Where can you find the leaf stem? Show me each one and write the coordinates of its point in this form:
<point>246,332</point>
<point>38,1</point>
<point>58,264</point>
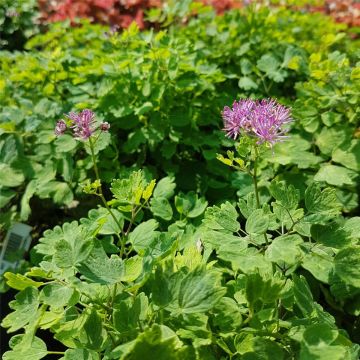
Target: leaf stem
<point>254,177</point>
<point>101,195</point>
<point>256,189</point>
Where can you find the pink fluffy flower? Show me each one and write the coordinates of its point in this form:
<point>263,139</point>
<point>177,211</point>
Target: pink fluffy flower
<point>83,123</point>
<point>265,120</point>
<point>237,117</point>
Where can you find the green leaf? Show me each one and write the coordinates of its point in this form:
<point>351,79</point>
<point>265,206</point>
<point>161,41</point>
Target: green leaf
<point>56,295</point>
<point>222,218</point>
<point>198,209</point>
<point>305,302</point>
<point>352,226</point>
<point>336,175</point>
<point>319,343</point>
<point>190,205</point>
<point>100,269</point>
<point>199,291</point>
<point>287,196</point>
<point>227,316</point>
<point>257,222</point>
<point>161,207</point>
<point>129,190</point>
<point>262,288</point>
<point>195,330</point>
<point>303,296</point>
<point>28,194</point>
<point>250,260</point>
<point>322,202</point>
<point>165,188</point>
<point>20,282</point>
<point>25,308</point>
<point>128,313</point>
<point>68,254</point>
<point>101,220</point>
<point>287,218</point>
<point>319,263</point>
<point>297,151</point>
<point>143,235</point>
<point>67,167</point>
<point>248,204</point>
<point>348,155</point>
<point>261,349</point>
<point>65,143</point>
<point>329,139</point>
<point>229,247</point>
<point>133,268</point>
<point>271,67</point>
<point>5,196</point>
<point>102,142</point>
<point>165,286</point>
<point>285,249</point>
<point>62,193</point>
<point>80,354</point>
<point>69,245</point>
<point>29,350</point>
<point>159,341</point>
<point>92,334</point>
<point>146,195</point>
<point>332,235</point>
<point>10,177</point>
<point>247,83</point>
<point>144,108</point>
<point>346,266</point>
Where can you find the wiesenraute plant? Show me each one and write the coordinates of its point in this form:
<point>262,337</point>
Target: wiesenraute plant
<point>232,286</point>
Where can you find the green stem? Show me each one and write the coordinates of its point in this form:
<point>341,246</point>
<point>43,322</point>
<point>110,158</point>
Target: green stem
<point>256,189</point>
<point>112,299</point>
<point>254,176</point>
<point>101,195</point>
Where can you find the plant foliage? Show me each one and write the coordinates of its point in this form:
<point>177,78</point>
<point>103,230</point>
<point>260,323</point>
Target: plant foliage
<point>182,291</point>
<point>235,251</point>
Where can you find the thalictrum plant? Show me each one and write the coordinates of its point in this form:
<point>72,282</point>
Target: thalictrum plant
<point>232,285</point>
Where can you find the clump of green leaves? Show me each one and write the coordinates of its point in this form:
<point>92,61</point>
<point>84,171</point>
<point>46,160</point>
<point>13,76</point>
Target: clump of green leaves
<point>162,93</point>
<point>155,269</point>
<point>214,290</point>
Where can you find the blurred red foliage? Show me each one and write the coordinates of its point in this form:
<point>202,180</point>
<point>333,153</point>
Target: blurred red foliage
<point>112,12</point>
<point>345,11</point>
<point>222,5</point>
<point>122,12</point>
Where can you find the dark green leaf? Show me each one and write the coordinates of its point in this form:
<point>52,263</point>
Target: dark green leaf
<point>199,291</point>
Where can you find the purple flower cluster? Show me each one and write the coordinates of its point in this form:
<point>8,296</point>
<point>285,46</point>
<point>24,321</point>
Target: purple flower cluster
<point>82,124</point>
<point>264,119</point>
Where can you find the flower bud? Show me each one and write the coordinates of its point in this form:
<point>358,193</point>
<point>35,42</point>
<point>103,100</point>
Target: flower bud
<point>60,128</point>
<point>105,126</point>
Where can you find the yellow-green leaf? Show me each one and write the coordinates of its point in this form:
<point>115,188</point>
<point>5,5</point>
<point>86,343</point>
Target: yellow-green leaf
<point>20,282</point>
<point>149,190</point>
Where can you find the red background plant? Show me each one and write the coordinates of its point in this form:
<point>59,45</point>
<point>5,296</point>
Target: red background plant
<point>123,12</point>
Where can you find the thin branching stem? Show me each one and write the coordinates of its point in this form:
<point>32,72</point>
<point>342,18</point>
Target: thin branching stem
<point>100,193</point>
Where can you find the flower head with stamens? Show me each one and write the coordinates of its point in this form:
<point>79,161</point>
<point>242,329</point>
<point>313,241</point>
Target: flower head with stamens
<point>264,120</point>
<point>267,121</point>
<point>83,123</point>
<point>236,118</point>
